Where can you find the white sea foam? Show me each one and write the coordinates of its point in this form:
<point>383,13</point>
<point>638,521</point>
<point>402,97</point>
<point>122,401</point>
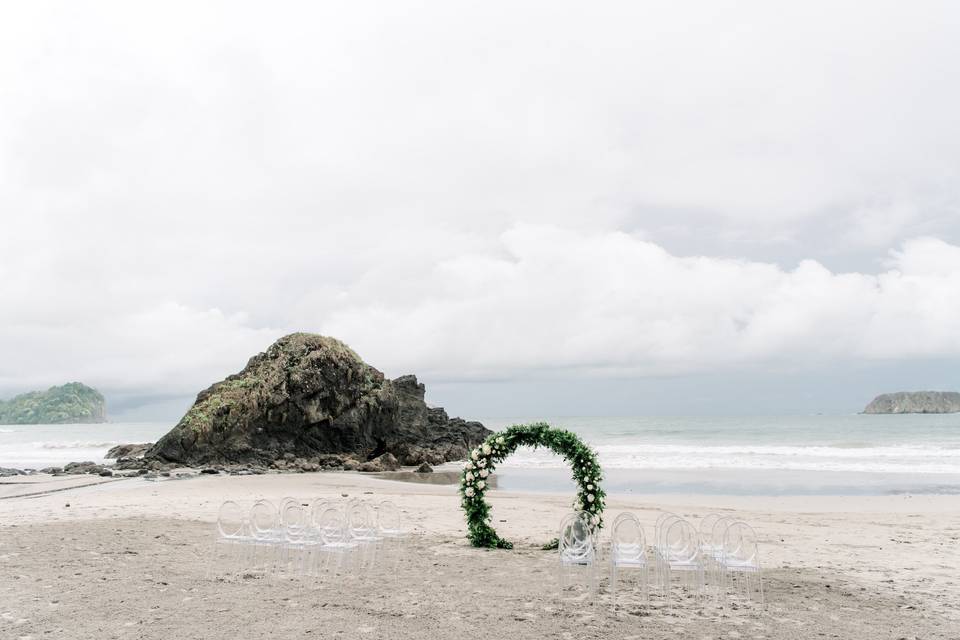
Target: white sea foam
<point>913,459</point>
<point>75,445</point>
<point>38,446</point>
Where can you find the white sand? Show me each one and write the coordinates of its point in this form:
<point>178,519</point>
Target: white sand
<point>125,560</point>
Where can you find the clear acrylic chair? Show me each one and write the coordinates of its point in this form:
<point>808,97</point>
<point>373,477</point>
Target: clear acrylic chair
<point>266,534</point>
<point>389,526</point>
<point>664,520</point>
<point>628,550</point>
<point>681,555</point>
<point>337,551</point>
<point>664,515</point>
<point>296,538</point>
<point>739,562</point>
<point>363,529</point>
<point>317,506</point>
<point>232,534</point>
<point>660,527</point>
<point>712,548</point>
<point>621,516</point>
<point>705,529</point>
<point>576,547</point>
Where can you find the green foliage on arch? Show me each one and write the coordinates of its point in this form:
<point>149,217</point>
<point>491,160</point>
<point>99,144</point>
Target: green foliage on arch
<point>483,459</point>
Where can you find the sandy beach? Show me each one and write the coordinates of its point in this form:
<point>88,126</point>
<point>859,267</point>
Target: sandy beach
<point>84,557</point>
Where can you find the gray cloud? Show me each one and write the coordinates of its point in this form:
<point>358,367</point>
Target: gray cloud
<point>476,192</point>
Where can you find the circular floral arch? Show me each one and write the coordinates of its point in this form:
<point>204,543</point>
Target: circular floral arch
<point>483,459</point>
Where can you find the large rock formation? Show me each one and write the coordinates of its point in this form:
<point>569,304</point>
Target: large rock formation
<point>309,395</point>
<point>70,403</point>
<point>915,402</point>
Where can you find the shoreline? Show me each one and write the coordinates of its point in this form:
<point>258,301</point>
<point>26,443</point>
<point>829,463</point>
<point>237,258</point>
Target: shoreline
<point>24,500</point>
<point>509,480</point>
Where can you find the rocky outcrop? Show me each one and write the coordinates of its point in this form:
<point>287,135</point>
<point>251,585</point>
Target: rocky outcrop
<point>385,462</point>
<point>128,451</point>
<point>308,396</point>
<point>79,468</point>
<point>70,403</point>
<point>915,402</point>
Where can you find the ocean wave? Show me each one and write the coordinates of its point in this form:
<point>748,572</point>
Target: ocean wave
<point>926,451</point>
<point>913,459</point>
<point>74,445</point>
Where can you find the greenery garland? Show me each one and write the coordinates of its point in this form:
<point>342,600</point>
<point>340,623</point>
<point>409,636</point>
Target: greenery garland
<point>483,459</point>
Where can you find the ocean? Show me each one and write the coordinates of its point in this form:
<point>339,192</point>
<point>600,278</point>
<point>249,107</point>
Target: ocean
<point>775,455</point>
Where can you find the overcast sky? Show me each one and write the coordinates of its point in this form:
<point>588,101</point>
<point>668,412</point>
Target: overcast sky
<point>541,208</point>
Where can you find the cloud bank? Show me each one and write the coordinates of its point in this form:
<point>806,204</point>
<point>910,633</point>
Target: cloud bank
<point>541,300</point>
<point>474,193</point>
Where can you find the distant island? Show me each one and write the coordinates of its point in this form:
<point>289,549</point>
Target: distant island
<point>915,402</point>
<point>70,403</point>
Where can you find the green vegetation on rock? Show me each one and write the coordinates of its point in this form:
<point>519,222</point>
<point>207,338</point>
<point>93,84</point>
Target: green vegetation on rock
<point>73,402</point>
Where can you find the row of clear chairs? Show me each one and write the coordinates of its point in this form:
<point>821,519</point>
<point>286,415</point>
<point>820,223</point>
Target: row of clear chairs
<point>308,539</point>
<point>732,554</point>
<point>677,553</point>
<point>721,553</point>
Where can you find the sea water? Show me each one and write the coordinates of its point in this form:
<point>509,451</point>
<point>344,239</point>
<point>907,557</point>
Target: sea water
<point>839,454</point>
<point>36,446</point>
<point>763,455</point>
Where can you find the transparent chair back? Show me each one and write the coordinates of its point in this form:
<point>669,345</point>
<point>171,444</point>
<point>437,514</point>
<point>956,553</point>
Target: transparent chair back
<point>232,537</point>
<point>660,518</point>
<point>230,521</point>
<point>576,537</point>
<point>664,525</point>
<point>681,542</point>
<point>740,556</point>
<point>628,550</point>
<point>332,527</point>
<point>389,522</point>
<point>740,544</point>
<point>575,544</point>
<point>622,515</point>
<point>264,521</point>
<point>292,516</point>
<point>360,520</point>
<point>628,544</point>
<point>705,529</point>
<point>681,554</point>
<point>395,538</point>
<point>294,521</point>
<point>717,533</point>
